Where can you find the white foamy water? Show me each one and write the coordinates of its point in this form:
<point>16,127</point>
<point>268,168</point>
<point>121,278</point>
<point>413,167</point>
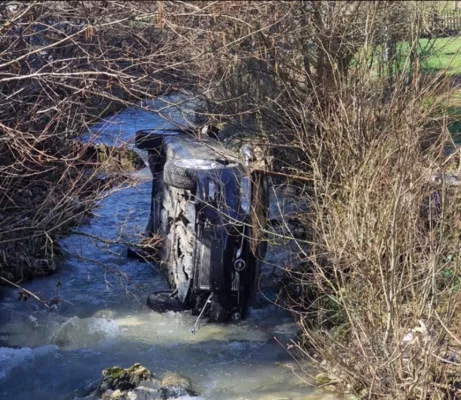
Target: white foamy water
<point>11,358</point>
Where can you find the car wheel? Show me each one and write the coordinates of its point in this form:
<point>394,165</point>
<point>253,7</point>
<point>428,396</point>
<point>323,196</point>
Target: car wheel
<point>163,302</point>
<point>183,173</point>
<point>218,313</point>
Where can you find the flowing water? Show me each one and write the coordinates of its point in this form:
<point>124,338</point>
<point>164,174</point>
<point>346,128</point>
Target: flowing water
<point>98,318</point>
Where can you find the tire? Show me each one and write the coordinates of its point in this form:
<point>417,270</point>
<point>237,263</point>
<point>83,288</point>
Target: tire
<point>161,302</point>
<point>183,173</point>
<point>218,313</point>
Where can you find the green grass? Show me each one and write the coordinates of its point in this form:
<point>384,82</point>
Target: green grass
<point>437,55</point>
<point>441,55</point>
<point>444,55</point>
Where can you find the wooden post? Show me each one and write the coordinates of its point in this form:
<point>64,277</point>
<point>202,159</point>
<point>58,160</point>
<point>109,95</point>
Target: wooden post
<point>435,21</point>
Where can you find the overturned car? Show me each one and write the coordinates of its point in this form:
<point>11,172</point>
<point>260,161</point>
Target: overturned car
<point>209,207</point>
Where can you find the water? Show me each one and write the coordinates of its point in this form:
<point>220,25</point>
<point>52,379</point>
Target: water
<point>100,319</point>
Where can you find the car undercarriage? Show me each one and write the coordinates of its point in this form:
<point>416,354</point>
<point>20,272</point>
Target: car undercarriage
<point>205,202</point>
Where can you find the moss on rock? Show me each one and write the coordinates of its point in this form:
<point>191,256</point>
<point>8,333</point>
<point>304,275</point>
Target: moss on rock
<point>114,372</point>
<point>124,379</point>
<point>137,382</point>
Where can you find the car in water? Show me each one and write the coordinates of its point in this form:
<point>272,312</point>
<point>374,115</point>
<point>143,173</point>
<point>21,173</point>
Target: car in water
<point>209,207</point>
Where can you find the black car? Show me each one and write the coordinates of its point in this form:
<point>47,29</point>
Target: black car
<point>210,209</point>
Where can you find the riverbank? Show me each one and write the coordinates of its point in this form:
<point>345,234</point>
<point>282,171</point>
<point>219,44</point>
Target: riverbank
<point>69,69</point>
<point>51,197</point>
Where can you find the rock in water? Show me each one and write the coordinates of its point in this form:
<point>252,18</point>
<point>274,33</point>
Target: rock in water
<point>138,383</point>
<point>117,378</point>
<point>176,385</point>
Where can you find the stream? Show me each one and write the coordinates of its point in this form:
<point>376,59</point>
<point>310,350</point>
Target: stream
<point>98,316</point>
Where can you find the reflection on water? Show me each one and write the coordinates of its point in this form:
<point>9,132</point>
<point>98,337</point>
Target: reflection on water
<point>99,318</point>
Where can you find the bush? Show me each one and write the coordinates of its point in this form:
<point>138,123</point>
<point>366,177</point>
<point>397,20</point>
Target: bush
<point>62,66</point>
<point>323,82</point>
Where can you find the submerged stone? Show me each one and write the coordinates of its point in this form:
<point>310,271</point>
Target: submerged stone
<point>175,385</point>
<point>173,379</point>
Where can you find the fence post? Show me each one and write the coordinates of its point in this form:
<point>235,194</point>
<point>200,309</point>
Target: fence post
<point>435,21</point>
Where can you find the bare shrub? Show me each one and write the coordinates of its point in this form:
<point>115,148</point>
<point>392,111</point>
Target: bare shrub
<point>381,276</point>
<point>337,89</point>
<point>62,66</point>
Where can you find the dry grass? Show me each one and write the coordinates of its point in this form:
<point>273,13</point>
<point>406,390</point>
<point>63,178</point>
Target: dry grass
<point>385,251</point>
